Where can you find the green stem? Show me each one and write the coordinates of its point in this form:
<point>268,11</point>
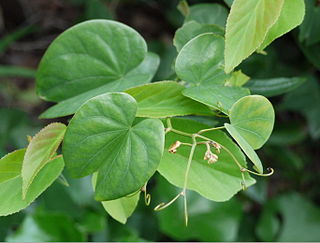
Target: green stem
<point>210,129</point>
<point>184,191</point>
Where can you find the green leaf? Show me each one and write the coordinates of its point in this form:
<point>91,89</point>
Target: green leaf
<point>10,165</point>
<point>247,26</point>
<point>140,75</point>
<point>291,16</point>
<point>237,79</point>
<point>312,53</point>
<point>16,71</point>
<point>224,217</point>
<point>191,29</point>
<point>164,99</point>
<point>253,118</point>
<point>106,141</point>
<point>274,86</point>
<point>245,146</point>
<point>217,182</point>
<point>11,190</point>
<point>216,96</point>
<point>228,2</point>
<point>201,60</point>
<point>122,208</point>
<point>87,56</point>
<point>208,13</point>
<point>39,152</point>
<point>309,29</point>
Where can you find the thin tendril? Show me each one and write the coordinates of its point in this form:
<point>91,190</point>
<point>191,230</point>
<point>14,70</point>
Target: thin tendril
<point>258,174</point>
<point>162,205</point>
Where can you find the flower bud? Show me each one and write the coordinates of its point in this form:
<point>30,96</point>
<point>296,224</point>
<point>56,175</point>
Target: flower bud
<point>173,148</point>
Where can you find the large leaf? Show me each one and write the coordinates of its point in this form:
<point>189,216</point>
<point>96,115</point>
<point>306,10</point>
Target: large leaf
<point>274,86</point>
<point>140,75</point>
<point>10,165</point>
<point>224,217</point>
<point>208,13</point>
<point>217,182</point>
<point>291,16</point>
<point>247,26</point>
<point>39,152</point>
<point>11,190</point>
<point>253,117</point>
<point>216,96</point>
<point>191,29</point>
<point>101,137</point>
<point>164,99</point>
<point>245,146</point>
<point>88,56</point>
<point>201,60</point>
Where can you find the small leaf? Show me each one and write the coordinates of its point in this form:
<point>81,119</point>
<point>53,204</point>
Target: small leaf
<point>246,148</point>
<point>217,182</point>
<point>106,141</point>
<point>200,61</point>
<point>208,13</point>
<point>11,190</point>
<point>122,208</point>
<point>164,99</point>
<point>247,26</point>
<point>140,75</point>
<point>192,29</point>
<point>253,118</point>
<point>216,96</point>
<point>275,86</point>
<point>291,16</point>
<point>39,152</point>
<point>237,79</point>
<point>183,7</point>
<point>10,165</point>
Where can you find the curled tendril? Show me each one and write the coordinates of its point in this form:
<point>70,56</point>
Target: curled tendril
<point>163,205</point>
<point>271,171</point>
<point>147,196</point>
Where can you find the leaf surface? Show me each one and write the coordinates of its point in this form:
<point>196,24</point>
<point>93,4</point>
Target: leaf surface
<point>253,117</point>
<point>140,75</point>
<point>217,182</point>
<point>39,152</point>
<point>106,141</point>
<point>10,165</point>
<point>247,26</point>
<point>192,29</point>
<point>200,61</point>
<point>164,99</point>
<point>216,96</point>
<point>11,190</point>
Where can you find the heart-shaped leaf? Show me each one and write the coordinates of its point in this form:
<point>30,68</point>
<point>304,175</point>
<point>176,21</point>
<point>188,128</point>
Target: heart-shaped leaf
<point>253,118</point>
<point>11,189</point>
<point>140,75</point>
<point>164,99</point>
<point>247,26</point>
<point>216,96</point>
<point>39,152</point>
<point>101,137</point>
<point>200,61</point>
<point>87,56</point>
<point>192,29</point>
<point>217,182</point>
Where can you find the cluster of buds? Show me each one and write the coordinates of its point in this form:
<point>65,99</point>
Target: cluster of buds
<point>173,148</point>
<point>211,157</point>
